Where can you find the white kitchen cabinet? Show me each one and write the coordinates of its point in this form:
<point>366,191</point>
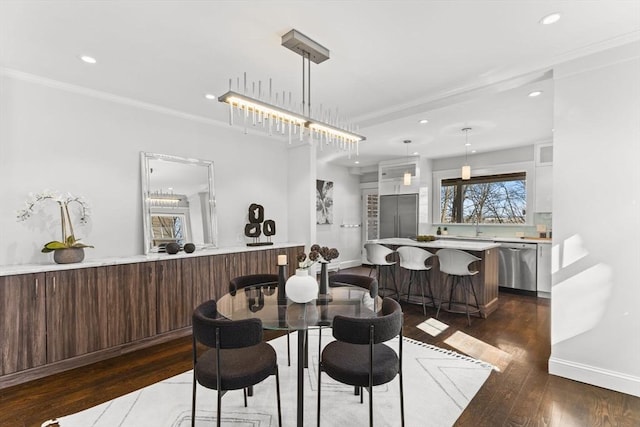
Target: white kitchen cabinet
<point>544,189</point>
<point>544,270</point>
<point>391,176</point>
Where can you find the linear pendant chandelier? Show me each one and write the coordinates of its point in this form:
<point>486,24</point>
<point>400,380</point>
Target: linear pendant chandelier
<point>276,115</point>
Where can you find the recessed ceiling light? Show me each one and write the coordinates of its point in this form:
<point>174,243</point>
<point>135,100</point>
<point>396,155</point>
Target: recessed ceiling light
<point>210,96</point>
<point>473,151</point>
<point>415,153</point>
<point>550,19</point>
<point>535,93</point>
<point>88,59</point>
<point>357,162</point>
<point>467,144</point>
<point>423,121</point>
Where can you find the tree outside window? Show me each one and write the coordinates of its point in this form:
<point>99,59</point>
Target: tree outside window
<point>492,199</point>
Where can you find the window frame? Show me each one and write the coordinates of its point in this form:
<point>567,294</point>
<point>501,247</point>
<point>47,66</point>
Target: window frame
<point>521,167</point>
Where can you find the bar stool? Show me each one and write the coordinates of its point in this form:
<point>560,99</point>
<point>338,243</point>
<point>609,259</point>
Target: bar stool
<point>377,257</point>
<point>455,263</point>
<point>413,259</point>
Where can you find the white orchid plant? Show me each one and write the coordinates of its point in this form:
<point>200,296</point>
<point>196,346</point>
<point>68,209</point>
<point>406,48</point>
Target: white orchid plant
<point>64,200</point>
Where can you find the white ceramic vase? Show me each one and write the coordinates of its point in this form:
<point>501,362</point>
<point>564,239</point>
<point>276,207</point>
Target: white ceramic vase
<point>301,287</point>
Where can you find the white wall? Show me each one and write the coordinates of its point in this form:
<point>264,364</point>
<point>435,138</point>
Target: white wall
<point>347,209</point>
<point>596,235</point>
<point>301,187</point>
<point>53,136</point>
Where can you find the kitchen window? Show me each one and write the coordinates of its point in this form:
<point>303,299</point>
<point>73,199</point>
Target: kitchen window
<point>488,199</point>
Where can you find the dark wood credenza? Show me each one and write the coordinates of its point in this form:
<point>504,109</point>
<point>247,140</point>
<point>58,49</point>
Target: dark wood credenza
<point>52,321</point>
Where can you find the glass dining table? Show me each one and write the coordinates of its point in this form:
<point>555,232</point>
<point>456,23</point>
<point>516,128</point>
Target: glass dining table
<point>279,313</point>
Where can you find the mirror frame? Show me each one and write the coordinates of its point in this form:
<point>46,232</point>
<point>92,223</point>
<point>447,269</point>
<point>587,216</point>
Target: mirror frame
<point>145,158</point>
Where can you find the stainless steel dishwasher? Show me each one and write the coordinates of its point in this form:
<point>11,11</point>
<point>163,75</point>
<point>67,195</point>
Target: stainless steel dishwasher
<point>518,266</point>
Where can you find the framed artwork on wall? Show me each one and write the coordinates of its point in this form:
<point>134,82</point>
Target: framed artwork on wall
<point>324,202</point>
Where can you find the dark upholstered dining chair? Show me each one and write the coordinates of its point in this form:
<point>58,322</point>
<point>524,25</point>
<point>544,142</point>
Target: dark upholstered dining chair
<point>359,357</point>
<point>366,282</point>
<point>236,358</point>
<point>255,280</point>
<point>249,280</point>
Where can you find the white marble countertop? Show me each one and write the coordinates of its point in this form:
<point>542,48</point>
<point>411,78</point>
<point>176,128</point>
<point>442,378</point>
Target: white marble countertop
<point>498,239</point>
<point>465,245</point>
<point>10,270</point>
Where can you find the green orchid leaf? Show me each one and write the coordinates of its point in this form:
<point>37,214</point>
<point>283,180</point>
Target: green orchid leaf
<point>53,245</point>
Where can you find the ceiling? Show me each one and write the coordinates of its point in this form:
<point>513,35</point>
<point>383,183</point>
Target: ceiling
<point>456,63</point>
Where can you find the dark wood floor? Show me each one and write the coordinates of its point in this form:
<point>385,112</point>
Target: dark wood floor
<point>523,394</point>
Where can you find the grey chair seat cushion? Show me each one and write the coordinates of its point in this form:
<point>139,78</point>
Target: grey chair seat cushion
<point>240,367</point>
<point>346,363</point>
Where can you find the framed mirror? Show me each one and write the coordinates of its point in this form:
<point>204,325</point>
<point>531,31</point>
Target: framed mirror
<point>178,202</point>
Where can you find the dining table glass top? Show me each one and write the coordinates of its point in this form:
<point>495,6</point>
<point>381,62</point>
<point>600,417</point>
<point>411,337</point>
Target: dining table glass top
<point>262,302</point>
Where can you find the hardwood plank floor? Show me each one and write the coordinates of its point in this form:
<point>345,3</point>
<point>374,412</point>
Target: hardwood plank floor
<point>523,394</point>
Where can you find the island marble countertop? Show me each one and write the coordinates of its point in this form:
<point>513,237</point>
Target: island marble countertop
<point>498,239</point>
<point>465,245</point>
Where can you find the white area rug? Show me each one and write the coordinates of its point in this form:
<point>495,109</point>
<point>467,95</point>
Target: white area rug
<point>438,385</point>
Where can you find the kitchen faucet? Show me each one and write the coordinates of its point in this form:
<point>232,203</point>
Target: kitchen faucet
<point>477,225</point>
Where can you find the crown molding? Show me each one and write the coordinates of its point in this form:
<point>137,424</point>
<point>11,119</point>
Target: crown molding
<point>106,96</point>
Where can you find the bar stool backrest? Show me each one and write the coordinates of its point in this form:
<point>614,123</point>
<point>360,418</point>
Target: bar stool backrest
<point>456,262</point>
<point>377,253</point>
<point>413,258</point>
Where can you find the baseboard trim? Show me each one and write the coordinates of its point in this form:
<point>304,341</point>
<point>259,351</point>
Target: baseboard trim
<point>605,378</point>
<point>350,263</point>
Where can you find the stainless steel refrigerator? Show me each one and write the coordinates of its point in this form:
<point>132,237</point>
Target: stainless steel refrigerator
<point>398,215</point>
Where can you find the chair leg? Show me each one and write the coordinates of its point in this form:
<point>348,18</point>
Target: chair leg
<point>288,350</point>
<point>244,394</point>
<point>475,297</point>
<point>193,401</point>
<point>424,307</point>
<point>442,296</point>
<point>433,301</point>
<point>370,406</point>
<point>319,385</point>
<point>454,282</point>
<point>401,399</point>
<point>465,290</point>
<point>409,284</point>
<point>383,285</point>
<point>278,397</point>
<point>219,409</point>
<point>392,271</point>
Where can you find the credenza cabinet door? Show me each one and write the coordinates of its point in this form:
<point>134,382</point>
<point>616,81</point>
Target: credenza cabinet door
<point>76,313</point>
<point>174,297</point>
<point>131,296</point>
<point>220,274</point>
<point>22,322</point>
<point>197,275</point>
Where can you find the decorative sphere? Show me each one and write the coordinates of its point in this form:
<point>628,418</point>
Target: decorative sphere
<point>189,247</point>
<point>172,248</point>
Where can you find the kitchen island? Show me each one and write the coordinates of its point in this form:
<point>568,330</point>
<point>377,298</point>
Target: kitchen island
<point>485,282</point>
